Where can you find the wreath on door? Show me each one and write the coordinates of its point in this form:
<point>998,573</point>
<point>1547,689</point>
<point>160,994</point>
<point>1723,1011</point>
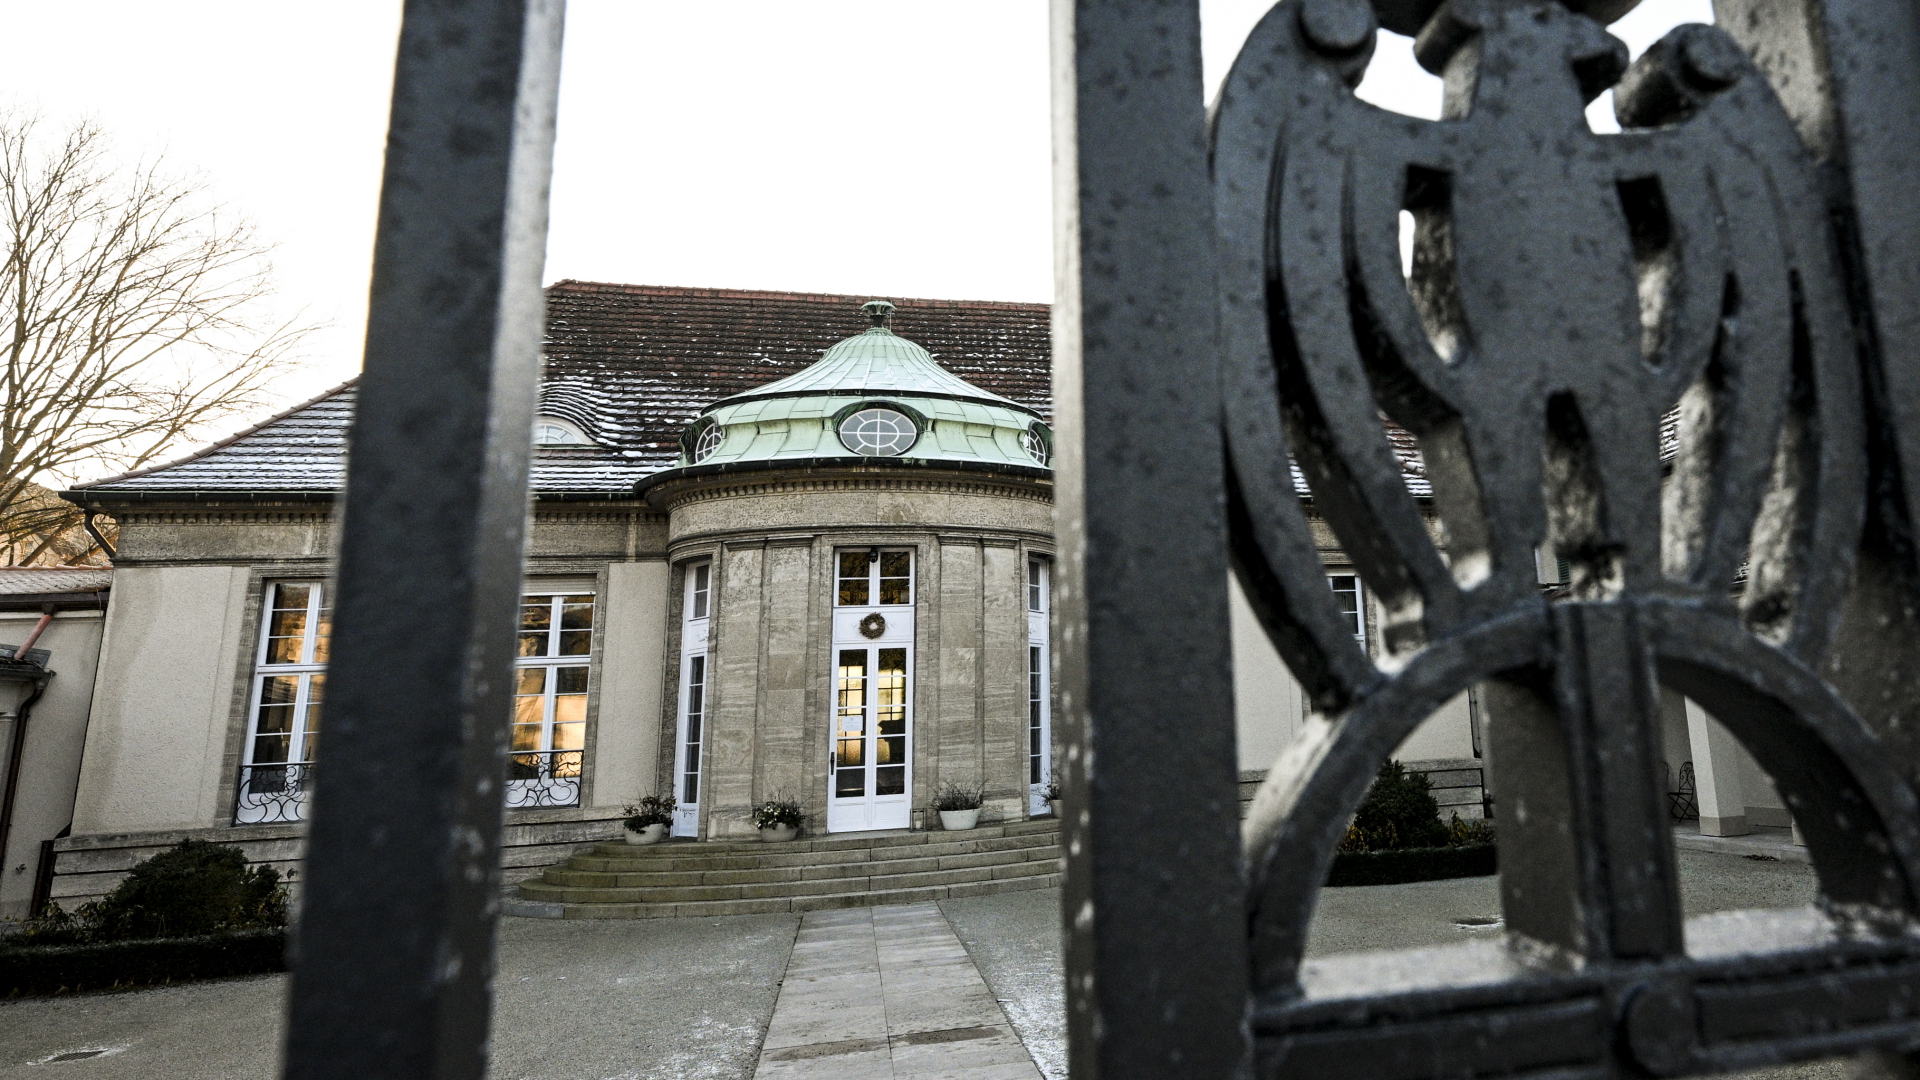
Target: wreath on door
<point>873,626</point>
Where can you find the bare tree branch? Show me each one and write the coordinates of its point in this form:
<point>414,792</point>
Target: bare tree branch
<point>134,314</point>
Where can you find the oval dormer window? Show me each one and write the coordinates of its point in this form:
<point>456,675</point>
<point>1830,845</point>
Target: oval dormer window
<point>1038,446</point>
<point>707,442</point>
<point>551,431</point>
<point>878,432</point>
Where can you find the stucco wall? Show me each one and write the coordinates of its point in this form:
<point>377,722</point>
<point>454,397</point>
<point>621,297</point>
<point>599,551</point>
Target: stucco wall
<point>632,672</point>
<point>1268,704</point>
<point>155,747</point>
<point>56,734</point>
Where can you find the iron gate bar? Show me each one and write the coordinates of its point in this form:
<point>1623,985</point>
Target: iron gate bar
<point>1154,946</point>
<point>393,961</point>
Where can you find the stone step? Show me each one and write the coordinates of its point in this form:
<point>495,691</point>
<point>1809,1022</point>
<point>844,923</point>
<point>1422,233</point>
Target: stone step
<point>681,858</point>
<point>790,889</point>
<point>901,838</point>
<point>629,881</point>
<point>566,875</point>
<point>779,905</point>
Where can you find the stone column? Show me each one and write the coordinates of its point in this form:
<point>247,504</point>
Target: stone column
<point>733,660</point>
<point>786,674</point>
<point>1003,693</point>
<point>1716,774</point>
<point>955,746</point>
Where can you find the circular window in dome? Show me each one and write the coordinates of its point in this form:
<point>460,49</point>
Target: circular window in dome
<point>878,432</point>
<point>707,442</point>
<point>1036,443</point>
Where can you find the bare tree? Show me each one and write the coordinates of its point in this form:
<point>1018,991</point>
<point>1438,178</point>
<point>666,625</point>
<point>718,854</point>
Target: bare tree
<point>134,313</point>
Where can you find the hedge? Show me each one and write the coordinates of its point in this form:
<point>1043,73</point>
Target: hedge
<point>53,969</point>
<point>1412,864</point>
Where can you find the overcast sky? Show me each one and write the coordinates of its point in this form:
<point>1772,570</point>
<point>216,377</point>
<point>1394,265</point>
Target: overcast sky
<point>874,147</point>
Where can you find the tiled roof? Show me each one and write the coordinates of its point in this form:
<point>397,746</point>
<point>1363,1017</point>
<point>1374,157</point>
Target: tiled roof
<point>632,365</point>
<point>41,580</point>
<point>878,361</point>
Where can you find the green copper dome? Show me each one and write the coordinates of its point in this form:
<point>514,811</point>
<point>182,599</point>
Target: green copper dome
<point>873,396</point>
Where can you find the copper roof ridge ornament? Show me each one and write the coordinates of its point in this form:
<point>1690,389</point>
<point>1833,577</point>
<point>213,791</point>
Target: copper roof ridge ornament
<point>881,312</point>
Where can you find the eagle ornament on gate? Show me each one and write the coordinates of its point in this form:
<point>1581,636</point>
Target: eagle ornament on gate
<point>1633,351</point>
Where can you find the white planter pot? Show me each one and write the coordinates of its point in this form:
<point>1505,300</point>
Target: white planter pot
<point>1053,806</point>
<point>652,834</point>
<point>779,833</point>
<point>958,820</point>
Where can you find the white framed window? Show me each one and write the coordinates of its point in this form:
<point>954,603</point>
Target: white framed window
<point>1039,686</point>
<point>550,699</point>
<point>549,709</point>
<point>553,431</point>
<point>1353,602</point>
<point>699,590</point>
<point>879,432</point>
<point>867,577</point>
<point>289,686</point>
<point>690,733</point>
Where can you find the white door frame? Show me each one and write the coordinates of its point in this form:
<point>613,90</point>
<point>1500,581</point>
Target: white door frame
<point>852,629</point>
<point>696,616</point>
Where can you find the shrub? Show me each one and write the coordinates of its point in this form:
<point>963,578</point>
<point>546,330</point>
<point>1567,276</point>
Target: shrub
<point>1399,812</point>
<point>776,812</point>
<point>194,889</point>
<point>53,969</point>
<point>1413,864</point>
<point>952,796</point>
<point>652,810</point>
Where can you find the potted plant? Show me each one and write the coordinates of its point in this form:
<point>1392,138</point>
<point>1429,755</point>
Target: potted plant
<point>777,819</point>
<point>647,822</point>
<point>959,805</point>
<point>1053,798</point>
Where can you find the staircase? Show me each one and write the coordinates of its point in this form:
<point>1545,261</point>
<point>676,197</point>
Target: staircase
<point>684,878</point>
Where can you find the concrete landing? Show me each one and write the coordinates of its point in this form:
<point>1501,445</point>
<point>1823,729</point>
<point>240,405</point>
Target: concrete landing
<point>887,993</point>
<point>1762,843</point>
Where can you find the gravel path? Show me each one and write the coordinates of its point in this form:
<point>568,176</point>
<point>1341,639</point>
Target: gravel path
<point>691,999</point>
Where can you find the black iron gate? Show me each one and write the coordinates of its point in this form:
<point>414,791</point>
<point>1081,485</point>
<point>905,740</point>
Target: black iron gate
<point>1679,357</point>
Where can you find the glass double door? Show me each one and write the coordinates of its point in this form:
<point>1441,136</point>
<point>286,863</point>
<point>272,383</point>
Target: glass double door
<point>871,777</point>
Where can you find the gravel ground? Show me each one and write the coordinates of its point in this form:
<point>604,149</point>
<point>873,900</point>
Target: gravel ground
<point>690,999</point>
<point>1014,939</point>
<point>687,999</point>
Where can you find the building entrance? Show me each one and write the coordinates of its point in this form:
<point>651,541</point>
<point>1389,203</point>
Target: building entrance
<point>870,778</point>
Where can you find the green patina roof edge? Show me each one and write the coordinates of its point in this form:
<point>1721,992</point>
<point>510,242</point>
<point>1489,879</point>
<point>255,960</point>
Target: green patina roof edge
<point>985,398</point>
<point>875,464</point>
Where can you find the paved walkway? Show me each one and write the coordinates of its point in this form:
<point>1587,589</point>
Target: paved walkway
<point>890,994</point>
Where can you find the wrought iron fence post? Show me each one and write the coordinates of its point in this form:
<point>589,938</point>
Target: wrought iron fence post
<point>1848,72</point>
<point>394,957</point>
<point>1155,937</point>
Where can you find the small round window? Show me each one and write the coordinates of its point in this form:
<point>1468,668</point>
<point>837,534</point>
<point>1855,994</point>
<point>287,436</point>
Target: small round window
<point>709,440</point>
<point>1036,443</point>
<point>878,433</point>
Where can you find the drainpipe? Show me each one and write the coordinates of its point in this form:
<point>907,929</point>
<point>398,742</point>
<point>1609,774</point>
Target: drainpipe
<point>19,741</point>
<point>86,520</point>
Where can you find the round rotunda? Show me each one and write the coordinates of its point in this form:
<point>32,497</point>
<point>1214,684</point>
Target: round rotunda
<point>861,558</point>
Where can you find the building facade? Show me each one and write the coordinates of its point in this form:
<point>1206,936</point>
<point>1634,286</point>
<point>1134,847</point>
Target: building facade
<point>781,546</point>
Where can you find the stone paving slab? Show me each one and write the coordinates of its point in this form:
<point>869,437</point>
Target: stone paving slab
<point>887,993</point>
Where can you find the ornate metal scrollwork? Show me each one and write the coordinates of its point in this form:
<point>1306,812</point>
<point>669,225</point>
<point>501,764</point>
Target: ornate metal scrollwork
<point>537,778</point>
<point>1631,350</point>
<point>273,794</point>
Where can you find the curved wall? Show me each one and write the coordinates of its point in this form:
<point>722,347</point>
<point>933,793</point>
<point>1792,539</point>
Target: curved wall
<point>771,537</point>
